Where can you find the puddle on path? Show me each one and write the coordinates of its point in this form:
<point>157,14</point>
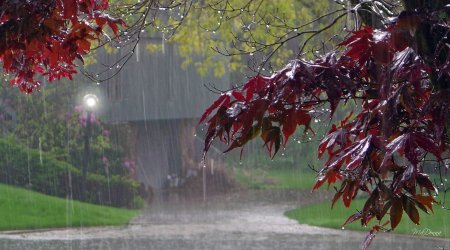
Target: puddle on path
<point>234,221</point>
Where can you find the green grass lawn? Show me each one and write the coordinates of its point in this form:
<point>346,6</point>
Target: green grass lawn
<point>257,178</point>
<point>24,209</point>
<point>322,215</point>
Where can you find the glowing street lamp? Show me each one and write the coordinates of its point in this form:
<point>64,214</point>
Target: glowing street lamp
<point>90,101</point>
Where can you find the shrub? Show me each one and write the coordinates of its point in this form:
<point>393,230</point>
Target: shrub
<point>38,171</point>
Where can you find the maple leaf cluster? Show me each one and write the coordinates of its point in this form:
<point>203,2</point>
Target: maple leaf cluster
<point>380,150</point>
<point>46,37</point>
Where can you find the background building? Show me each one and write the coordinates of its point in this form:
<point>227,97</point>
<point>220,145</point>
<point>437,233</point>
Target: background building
<point>161,103</point>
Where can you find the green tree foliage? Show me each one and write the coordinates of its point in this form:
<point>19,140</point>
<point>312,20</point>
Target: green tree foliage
<point>245,31</point>
<point>51,121</point>
<point>36,170</point>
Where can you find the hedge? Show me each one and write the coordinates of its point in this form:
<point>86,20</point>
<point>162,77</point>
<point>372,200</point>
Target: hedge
<point>38,171</point>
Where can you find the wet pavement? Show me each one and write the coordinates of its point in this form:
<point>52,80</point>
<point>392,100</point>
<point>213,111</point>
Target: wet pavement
<point>244,220</point>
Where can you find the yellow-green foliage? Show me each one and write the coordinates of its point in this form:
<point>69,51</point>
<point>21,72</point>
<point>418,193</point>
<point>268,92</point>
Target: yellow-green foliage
<point>205,30</point>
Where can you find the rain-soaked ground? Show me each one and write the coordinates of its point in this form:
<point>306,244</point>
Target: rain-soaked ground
<point>244,220</point>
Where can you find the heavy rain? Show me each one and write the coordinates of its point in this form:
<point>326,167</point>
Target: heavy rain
<point>225,125</point>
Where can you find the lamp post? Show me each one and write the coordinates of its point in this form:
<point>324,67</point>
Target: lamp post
<point>90,101</point>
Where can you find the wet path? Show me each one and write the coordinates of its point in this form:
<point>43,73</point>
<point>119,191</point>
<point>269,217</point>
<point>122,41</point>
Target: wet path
<point>245,221</point>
